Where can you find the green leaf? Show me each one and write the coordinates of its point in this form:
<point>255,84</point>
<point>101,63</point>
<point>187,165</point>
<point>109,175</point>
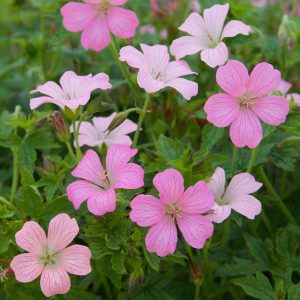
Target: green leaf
<point>117,263</point>
<point>152,259</point>
<point>31,203</point>
<point>294,292</point>
<point>27,156</point>
<point>169,149</point>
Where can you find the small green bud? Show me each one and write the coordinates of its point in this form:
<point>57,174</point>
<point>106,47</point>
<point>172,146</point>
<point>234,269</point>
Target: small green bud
<point>98,106</point>
<point>117,121</point>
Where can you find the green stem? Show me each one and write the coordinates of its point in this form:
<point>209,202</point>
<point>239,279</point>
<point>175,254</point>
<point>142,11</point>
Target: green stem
<point>140,122</point>
<point>115,51</point>
<point>71,150</point>
<point>197,292</point>
<point>252,159</point>
<point>13,207</point>
<point>226,232</point>
<point>234,160</point>
<point>269,187</point>
<point>76,133</point>
<point>15,179</point>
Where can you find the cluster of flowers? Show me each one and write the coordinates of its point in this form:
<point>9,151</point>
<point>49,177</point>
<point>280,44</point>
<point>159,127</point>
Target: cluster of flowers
<point>245,100</point>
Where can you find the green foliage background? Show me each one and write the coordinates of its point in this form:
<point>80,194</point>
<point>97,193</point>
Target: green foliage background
<point>245,259</point>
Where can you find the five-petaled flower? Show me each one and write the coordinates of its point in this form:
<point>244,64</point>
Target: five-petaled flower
<point>50,256</point>
<point>96,19</point>
<point>74,90</point>
<point>157,72</point>
<point>206,35</point>
<point>246,100</point>
<point>97,185</point>
<point>97,133</point>
<point>174,206</point>
<point>237,196</point>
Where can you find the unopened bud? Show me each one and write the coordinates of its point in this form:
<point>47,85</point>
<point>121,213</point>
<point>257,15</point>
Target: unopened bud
<point>97,106</point>
<point>5,273</point>
<point>287,31</point>
<point>117,121</point>
<point>61,129</point>
<point>40,122</point>
<point>135,280</point>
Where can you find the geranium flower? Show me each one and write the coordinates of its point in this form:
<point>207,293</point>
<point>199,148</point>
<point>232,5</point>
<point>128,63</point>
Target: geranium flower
<point>207,33</point>
<point>284,87</point>
<point>174,206</point>
<point>157,72</point>
<point>237,196</point>
<point>245,101</point>
<point>50,256</point>
<point>73,91</point>
<point>97,185</point>
<point>97,133</point>
<point>96,19</point>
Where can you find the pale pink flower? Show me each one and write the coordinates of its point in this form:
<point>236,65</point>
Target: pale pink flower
<point>50,256</point>
<point>174,206</point>
<point>245,101</point>
<point>263,3</point>
<point>237,196</point>
<point>96,19</point>
<point>207,34</point>
<point>164,33</point>
<point>284,87</point>
<point>157,72</point>
<point>195,6</point>
<point>148,29</point>
<point>97,133</point>
<point>98,185</point>
<point>73,91</point>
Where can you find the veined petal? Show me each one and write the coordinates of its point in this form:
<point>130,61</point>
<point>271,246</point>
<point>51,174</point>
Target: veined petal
<point>50,89</point>
<point>217,183</point>
<point>177,69</point>
<point>234,28</point>
<point>150,85</point>
<point>38,101</point>
<point>187,88</point>
<point>195,26</point>
<point>102,202</point>
<point>219,213</point>
<point>87,135</point>
<point>133,57</point>
<point>247,206</point>
<point>284,86</point>
<point>214,57</point>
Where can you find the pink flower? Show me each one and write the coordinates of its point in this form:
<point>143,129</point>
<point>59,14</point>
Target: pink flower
<point>263,3</point>
<point>97,134</point>
<point>237,196</point>
<point>284,87</point>
<point>96,19</point>
<point>157,72</point>
<point>174,206</point>
<point>97,185</point>
<point>74,90</point>
<point>207,33</point>
<point>49,256</point>
<point>148,29</point>
<point>245,101</point>
<point>195,6</point>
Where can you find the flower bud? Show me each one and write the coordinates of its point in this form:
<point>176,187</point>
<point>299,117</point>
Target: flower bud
<point>287,31</point>
<point>61,129</point>
<point>97,106</point>
<point>117,121</point>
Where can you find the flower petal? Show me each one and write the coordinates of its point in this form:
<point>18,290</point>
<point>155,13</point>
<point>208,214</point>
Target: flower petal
<point>246,130</point>
<point>247,206</point>
<point>186,88</point>
<point>170,185</point>
<point>76,260</point>
<point>271,109</point>
<point>50,89</point>
<point>96,35</point>
<point>195,26</point>
<point>122,22</point>
<point>146,210</point>
<point>221,109</point>
<point>162,237</point>
<point>197,199</point>
<point>87,135</point>
<point>294,96</point>
<point>26,267</point>
<point>241,184</point>
<point>217,183</point>
<point>117,2</point>
<point>233,28</point>
<point>102,202</point>
<point>61,231</point>
<point>90,168</point>
<point>132,56</point>
<point>38,101</point>
<point>55,281</point>
<point>196,229</point>
<point>177,69</point>
<point>233,78</point>
<point>99,81</point>
<point>150,85</point>
<point>284,86</point>
<point>77,16</point>
<point>219,213</point>
<point>264,79</point>
<point>214,57</point>
<point>125,128</point>
<point>31,237</point>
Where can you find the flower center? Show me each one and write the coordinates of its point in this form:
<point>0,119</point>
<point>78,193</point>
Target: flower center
<point>48,257</point>
<point>102,8</point>
<point>173,211</point>
<point>246,100</point>
<point>104,178</point>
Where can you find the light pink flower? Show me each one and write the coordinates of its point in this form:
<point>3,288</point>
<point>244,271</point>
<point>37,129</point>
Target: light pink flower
<point>96,19</point>
<point>284,87</point>
<point>245,101</point>
<point>174,206</point>
<point>50,256</point>
<point>157,72</point>
<point>263,3</point>
<point>97,185</point>
<point>73,91</point>
<point>195,6</point>
<point>97,134</point>
<point>148,29</point>
<point>237,196</point>
<point>206,35</point>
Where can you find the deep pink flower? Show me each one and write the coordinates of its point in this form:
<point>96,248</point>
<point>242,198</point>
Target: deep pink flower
<point>246,101</point>
<point>284,87</point>
<point>96,19</point>
<point>74,90</point>
<point>97,185</point>
<point>157,72</point>
<point>50,256</point>
<point>237,196</point>
<point>174,206</point>
<point>206,35</point>
<point>97,134</point>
